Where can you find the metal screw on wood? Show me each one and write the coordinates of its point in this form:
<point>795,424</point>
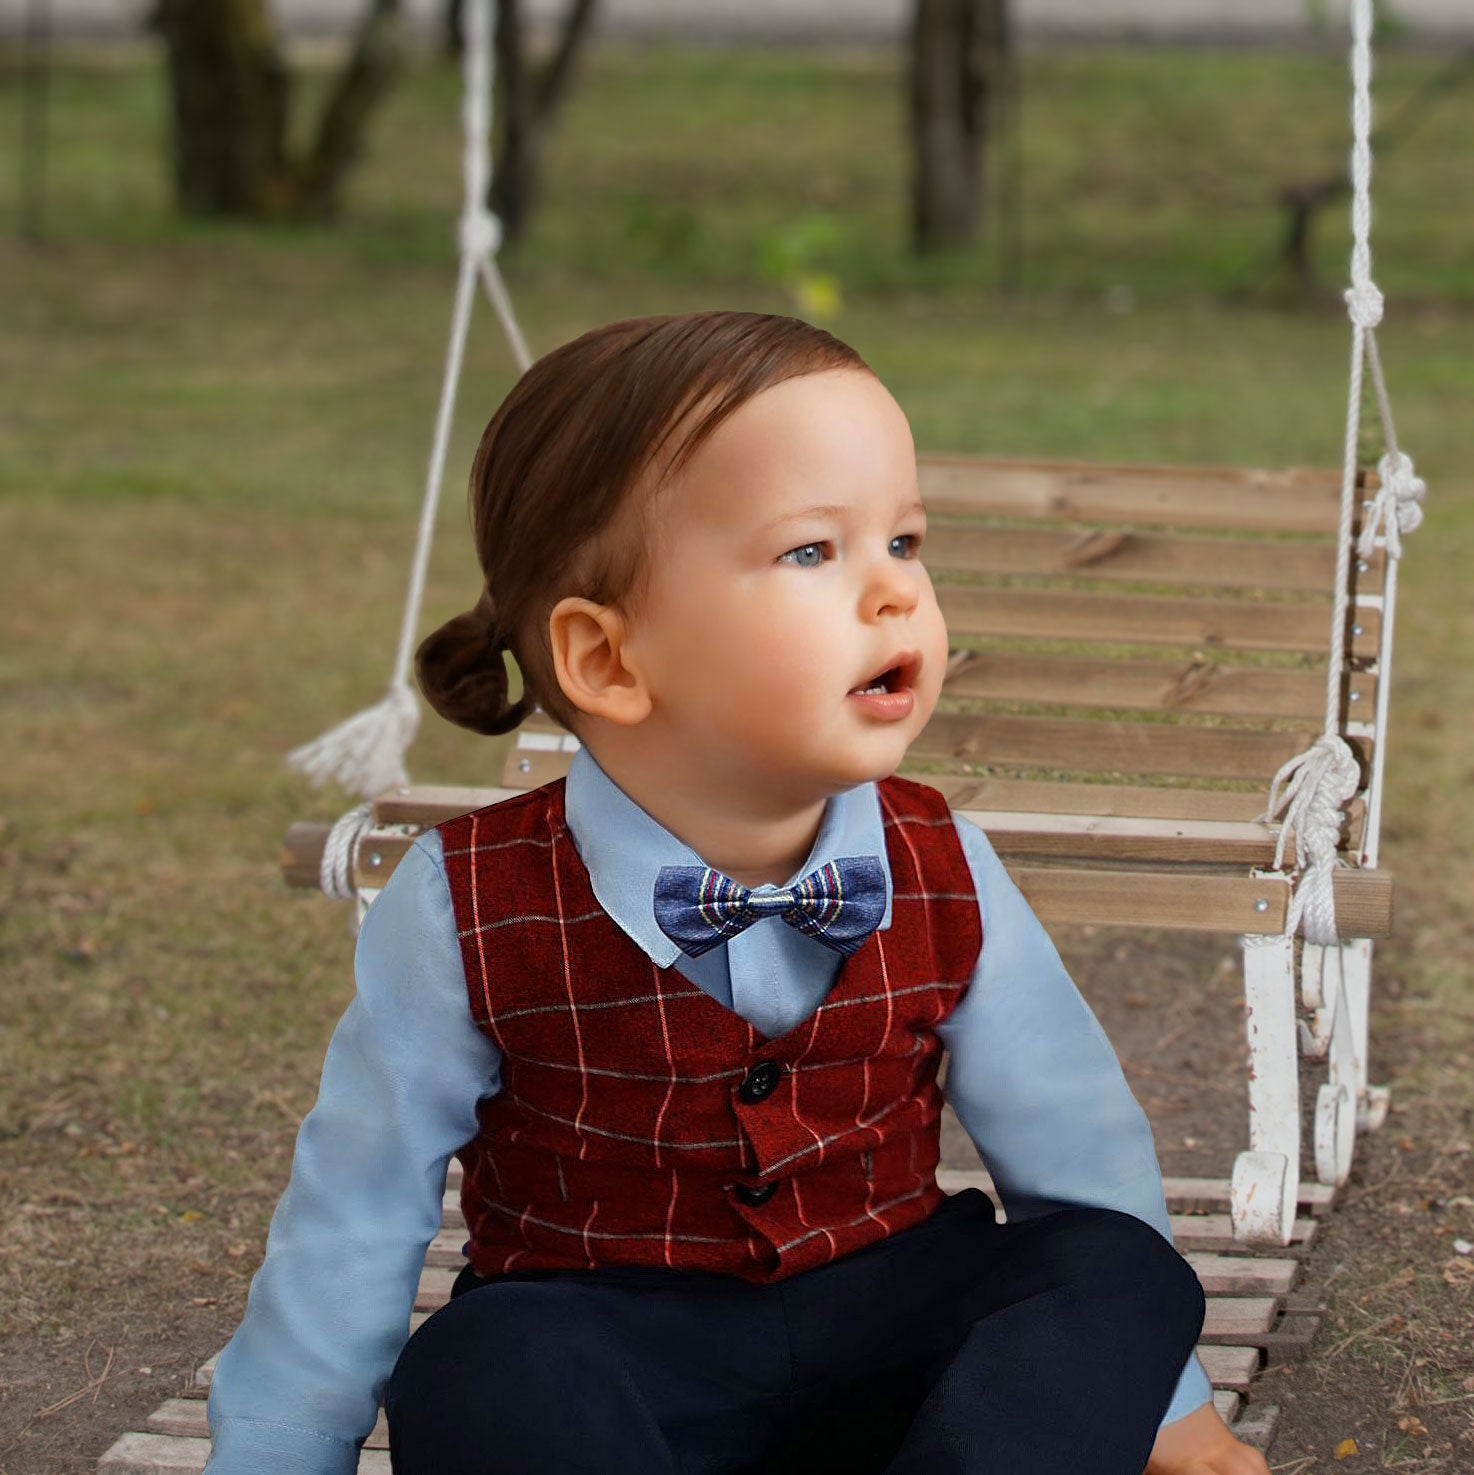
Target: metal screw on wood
<point>523,764</point>
<point>1261,904</point>
<point>1356,629</point>
<point>376,860</point>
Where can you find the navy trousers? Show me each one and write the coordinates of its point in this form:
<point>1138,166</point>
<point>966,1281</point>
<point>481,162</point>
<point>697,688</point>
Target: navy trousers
<point>958,1346</point>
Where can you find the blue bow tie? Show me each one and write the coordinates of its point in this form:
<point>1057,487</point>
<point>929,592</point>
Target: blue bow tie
<point>840,904</point>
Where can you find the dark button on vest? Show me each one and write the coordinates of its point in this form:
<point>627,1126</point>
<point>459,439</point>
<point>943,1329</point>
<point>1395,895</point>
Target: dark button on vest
<point>755,1195</point>
<point>761,1082</point>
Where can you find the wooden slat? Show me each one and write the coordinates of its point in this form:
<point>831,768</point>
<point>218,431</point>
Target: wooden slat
<point>1212,1195</point>
<point>427,804</point>
<point>1187,900</point>
<point>1089,838</point>
<point>1243,1275</point>
<point>433,1290</point>
<point>1127,896</point>
<point>1013,836</point>
<point>165,1454</point>
<point>1214,1232</point>
<point>1157,686</point>
<point>1232,498</point>
<point>1059,743</point>
<point>1238,1316</point>
<point>1230,1367</point>
<point>300,857</point>
<point>1082,746</point>
<point>187,1418</point>
<point>1148,619</point>
<point>1144,558</point>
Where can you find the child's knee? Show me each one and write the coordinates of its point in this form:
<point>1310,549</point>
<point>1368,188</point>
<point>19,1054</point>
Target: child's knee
<point>1105,1251</point>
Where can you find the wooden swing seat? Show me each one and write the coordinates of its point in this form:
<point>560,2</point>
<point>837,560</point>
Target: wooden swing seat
<point>1136,651</point>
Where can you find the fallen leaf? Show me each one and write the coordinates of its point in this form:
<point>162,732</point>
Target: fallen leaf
<point>1412,1424</point>
<point>1346,1449</point>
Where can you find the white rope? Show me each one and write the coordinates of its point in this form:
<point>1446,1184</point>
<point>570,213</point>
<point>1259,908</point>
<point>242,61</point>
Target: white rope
<point>366,753</point>
<point>1319,783</point>
<point>335,874</point>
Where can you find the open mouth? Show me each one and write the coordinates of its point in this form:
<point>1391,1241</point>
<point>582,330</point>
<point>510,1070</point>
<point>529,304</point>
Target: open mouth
<point>898,676</point>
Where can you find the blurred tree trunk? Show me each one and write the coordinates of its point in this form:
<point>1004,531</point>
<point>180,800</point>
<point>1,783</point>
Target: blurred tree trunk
<point>527,106</point>
<point>959,56</point>
<point>232,93</point>
<point>455,27</point>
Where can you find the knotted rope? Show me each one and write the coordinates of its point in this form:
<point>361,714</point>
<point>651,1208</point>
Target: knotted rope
<point>335,875</point>
<point>1321,781</point>
<point>366,753</point>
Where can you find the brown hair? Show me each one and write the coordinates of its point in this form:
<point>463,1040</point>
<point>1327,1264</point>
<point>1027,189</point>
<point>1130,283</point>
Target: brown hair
<point>551,487</point>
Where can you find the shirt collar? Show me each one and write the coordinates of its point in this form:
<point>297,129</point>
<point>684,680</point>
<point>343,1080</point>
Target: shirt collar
<point>623,847</point>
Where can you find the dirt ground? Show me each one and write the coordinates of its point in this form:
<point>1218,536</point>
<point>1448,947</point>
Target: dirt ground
<point>1392,1370</point>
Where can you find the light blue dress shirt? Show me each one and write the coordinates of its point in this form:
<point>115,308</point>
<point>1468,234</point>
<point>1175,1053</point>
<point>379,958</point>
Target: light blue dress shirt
<point>1032,1078</point>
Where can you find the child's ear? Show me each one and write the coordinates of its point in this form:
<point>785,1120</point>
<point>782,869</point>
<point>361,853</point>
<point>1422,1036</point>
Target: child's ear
<point>589,648</point>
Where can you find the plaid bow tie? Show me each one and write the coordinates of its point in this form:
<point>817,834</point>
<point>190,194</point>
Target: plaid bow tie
<point>840,904</point>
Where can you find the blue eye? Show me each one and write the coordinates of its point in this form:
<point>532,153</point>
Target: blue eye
<point>911,540</point>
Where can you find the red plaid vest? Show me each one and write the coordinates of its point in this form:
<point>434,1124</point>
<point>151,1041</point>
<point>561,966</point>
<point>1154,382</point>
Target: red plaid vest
<point>640,1122</point>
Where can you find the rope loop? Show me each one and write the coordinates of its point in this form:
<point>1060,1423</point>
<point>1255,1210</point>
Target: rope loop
<point>1364,302</point>
<point>1318,783</point>
<point>1397,507</point>
<point>335,875</point>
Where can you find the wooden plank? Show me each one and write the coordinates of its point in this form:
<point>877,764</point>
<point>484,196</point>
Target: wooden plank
<point>1243,1275</point>
<point>1214,1232</point>
<point>433,1290</point>
<point>1193,902</point>
<point>1248,499</point>
<point>1084,838</point>
<point>1018,836</point>
<point>1142,558</point>
<point>1108,746</point>
<point>424,805</point>
<point>1153,686</point>
<point>1211,1195</point>
<point>1256,1424</point>
<point>1238,1316</point>
<point>1127,895</point>
<point>155,1454</point>
<point>1060,743</point>
<point>1149,619</point>
<point>444,1252</point>
<point>165,1454</point>
<point>1228,1404</point>
<point>1229,1367</point>
<point>186,1417</point>
<point>301,853</point>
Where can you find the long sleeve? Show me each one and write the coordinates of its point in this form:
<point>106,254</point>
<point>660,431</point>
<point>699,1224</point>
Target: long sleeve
<point>297,1388</point>
<point>1037,1086</point>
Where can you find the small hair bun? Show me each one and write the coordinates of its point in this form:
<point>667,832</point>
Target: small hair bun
<point>462,671</point>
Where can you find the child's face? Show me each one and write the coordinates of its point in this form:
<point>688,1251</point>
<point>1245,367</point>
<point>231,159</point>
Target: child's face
<point>785,577</point>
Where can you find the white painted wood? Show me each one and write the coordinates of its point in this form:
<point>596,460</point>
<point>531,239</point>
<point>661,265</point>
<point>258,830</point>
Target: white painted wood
<point>1266,1178</point>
